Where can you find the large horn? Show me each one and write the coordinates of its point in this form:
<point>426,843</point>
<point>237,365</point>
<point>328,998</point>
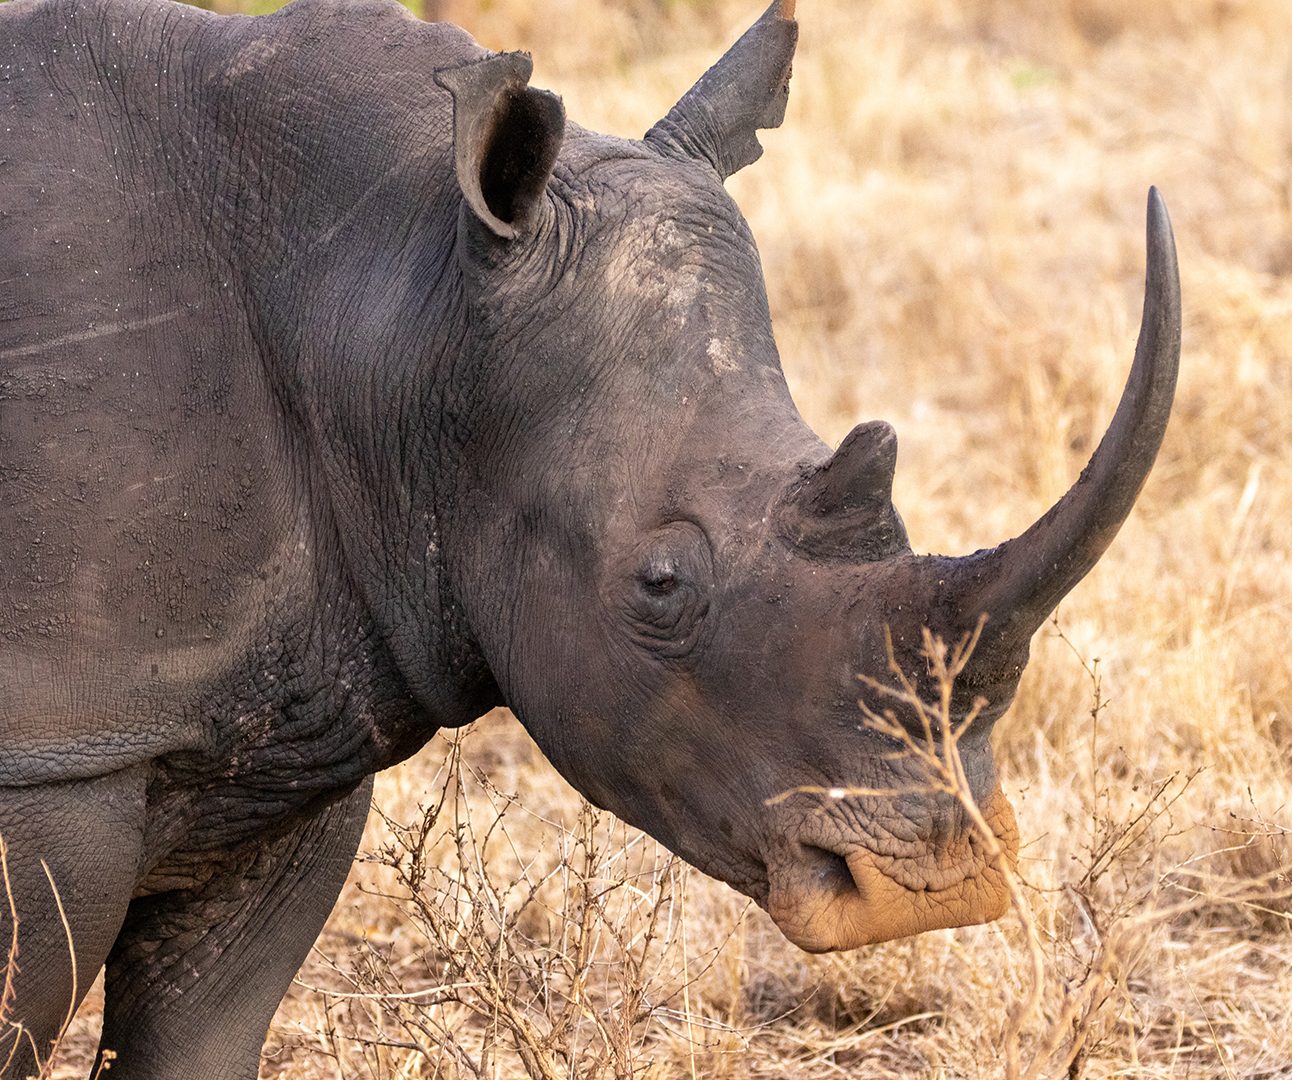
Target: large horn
<point>1019,583</point>
<point>746,91</point>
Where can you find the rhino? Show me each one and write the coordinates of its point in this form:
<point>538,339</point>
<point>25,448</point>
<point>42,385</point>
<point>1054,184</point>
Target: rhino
<point>347,392</point>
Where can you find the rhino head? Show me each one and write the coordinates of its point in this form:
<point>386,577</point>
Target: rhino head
<point>674,583</point>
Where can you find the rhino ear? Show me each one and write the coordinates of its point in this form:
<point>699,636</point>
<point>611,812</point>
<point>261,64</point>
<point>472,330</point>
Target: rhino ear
<point>746,91</point>
<point>506,136</point>
<point>844,506</point>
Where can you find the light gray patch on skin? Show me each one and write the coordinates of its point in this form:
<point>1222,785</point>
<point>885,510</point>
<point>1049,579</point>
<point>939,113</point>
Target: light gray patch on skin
<point>91,334</point>
<point>583,201</point>
<point>722,357</point>
<point>650,264</point>
<point>252,56</point>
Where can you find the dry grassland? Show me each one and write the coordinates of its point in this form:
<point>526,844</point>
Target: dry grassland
<point>952,227</point>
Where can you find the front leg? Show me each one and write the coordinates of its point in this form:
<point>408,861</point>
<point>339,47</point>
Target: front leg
<point>197,973</point>
<point>71,851</point>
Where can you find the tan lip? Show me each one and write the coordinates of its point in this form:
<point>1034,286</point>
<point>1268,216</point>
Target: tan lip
<point>823,911</point>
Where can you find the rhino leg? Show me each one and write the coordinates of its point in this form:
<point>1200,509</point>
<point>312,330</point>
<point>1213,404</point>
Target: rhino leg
<point>89,834</point>
<point>198,971</point>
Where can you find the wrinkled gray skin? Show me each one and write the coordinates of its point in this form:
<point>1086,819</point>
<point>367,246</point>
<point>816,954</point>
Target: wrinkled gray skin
<point>346,394</point>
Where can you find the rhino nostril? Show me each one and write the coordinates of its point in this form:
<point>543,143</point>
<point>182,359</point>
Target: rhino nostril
<point>828,868</point>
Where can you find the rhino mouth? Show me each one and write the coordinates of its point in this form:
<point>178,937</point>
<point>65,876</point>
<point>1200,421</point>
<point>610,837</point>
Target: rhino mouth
<point>829,899</point>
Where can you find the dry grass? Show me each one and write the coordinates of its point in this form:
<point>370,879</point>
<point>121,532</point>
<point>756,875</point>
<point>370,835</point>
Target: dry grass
<point>952,225</point>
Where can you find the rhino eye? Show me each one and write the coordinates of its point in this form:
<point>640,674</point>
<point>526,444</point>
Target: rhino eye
<point>659,581</point>
<point>660,595</point>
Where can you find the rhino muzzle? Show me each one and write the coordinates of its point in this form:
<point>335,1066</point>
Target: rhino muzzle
<point>824,900</point>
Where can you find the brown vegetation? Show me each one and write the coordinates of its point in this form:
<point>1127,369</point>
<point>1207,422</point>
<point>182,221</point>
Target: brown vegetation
<point>951,223</point>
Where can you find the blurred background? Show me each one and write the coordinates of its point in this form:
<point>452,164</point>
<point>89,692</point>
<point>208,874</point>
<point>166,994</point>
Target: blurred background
<point>951,222</point>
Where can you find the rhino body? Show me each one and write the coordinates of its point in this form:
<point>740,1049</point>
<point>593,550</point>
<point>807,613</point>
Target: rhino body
<point>347,393</point>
